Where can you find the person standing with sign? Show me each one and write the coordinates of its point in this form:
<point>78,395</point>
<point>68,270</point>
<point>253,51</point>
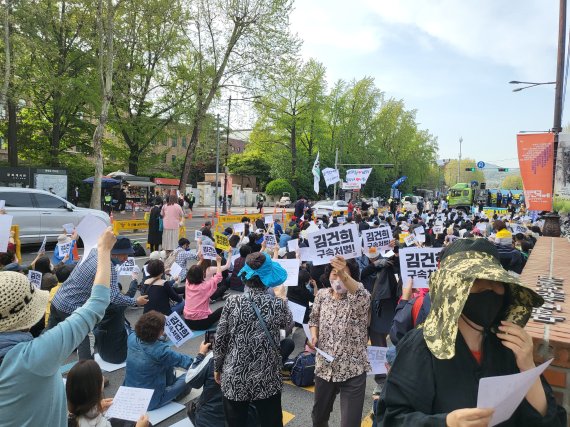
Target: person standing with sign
<point>339,326</point>
<point>473,330</point>
<point>172,219</point>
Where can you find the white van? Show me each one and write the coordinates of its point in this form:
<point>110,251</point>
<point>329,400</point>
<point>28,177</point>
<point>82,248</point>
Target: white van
<point>40,213</point>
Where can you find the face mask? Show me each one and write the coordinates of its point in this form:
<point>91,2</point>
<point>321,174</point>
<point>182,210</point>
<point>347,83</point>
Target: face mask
<point>338,286</point>
<point>483,308</point>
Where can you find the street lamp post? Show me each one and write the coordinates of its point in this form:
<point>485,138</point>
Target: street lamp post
<point>459,163</point>
<point>217,164</point>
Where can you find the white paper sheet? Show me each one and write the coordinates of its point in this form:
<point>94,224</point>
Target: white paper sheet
<point>377,359</point>
<point>309,335</point>
<point>388,254</point>
<point>410,239</point>
<point>2,204</point>
<point>291,266</point>
<point>176,329</point>
<point>5,226</point>
<point>420,234</point>
<point>269,219</point>
<point>298,311</point>
<point>293,245</point>
<point>239,227</point>
<point>108,367</point>
<point>175,270</point>
<point>35,278</point>
<point>69,228</point>
<point>130,403</point>
<point>197,235</point>
<point>159,415</point>
<point>43,246</point>
<point>90,229</point>
<point>505,393</point>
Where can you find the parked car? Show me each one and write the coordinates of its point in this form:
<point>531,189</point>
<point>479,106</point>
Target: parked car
<point>285,201</point>
<point>327,207</point>
<point>410,203</point>
<point>40,213</point>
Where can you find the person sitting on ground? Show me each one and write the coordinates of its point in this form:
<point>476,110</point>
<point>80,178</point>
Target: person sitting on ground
<point>183,255</point>
<point>31,390</point>
<point>85,403</point>
<point>197,312</point>
<point>151,362</point>
<point>160,291</point>
<point>285,237</point>
<point>474,330</point>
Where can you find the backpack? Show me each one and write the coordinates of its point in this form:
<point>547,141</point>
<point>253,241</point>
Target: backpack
<point>139,250</point>
<point>303,371</point>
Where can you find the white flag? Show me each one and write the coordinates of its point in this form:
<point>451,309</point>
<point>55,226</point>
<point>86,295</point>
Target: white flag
<point>316,174</point>
<point>331,176</point>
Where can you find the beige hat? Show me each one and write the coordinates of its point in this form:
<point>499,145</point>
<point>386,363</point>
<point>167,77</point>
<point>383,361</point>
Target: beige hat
<point>22,305</point>
<point>63,238</point>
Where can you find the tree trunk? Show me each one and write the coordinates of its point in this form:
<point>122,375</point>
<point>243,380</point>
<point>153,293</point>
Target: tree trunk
<point>106,74</point>
<point>189,154</point>
<point>134,162</point>
<point>55,133</point>
<point>7,56</point>
<point>12,135</point>
<point>294,155</point>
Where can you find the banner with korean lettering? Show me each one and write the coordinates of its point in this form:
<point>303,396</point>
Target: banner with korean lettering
<point>375,239</point>
<point>358,175</point>
<point>325,244</point>
<point>536,162</point>
<point>562,177</point>
<point>418,263</point>
<point>331,176</point>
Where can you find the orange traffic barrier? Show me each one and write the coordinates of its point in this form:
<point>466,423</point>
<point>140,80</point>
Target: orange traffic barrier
<point>274,210</point>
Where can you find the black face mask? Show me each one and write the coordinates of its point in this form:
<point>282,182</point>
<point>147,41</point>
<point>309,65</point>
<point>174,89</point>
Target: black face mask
<point>483,308</point>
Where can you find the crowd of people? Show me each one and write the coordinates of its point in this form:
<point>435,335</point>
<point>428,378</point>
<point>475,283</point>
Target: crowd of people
<point>440,342</point>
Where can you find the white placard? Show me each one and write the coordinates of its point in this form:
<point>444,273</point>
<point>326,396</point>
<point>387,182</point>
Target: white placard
<point>517,228</point>
<point>291,266</point>
<point>341,219</point>
<point>305,254</point>
<point>5,226</point>
<point>2,204</point>
<point>388,254</point>
<point>63,249</point>
<point>175,270</point>
<point>90,229</point>
<point>239,227</point>
<point>358,175</point>
<point>43,246</point>
<point>309,335</point>
<point>410,239</point>
<point>209,252</point>
<point>176,329</point>
<point>420,233</point>
<point>35,278</point>
<point>404,227</point>
<point>437,229</point>
<point>418,263</point>
<point>69,228</point>
<point>331,176</point>
<point>269,219</point>
<point>505,393</point>
<point>197,235</point>
<point>325,244</point>
<point>270,241</point>
<point>130,403</point>
<point>293,245</point>
<point>298,312</point>
<point>482,226</point>
<point>375,239</point>
<point>377,359</point>
<point>351,185</point>
<point>128,267</point>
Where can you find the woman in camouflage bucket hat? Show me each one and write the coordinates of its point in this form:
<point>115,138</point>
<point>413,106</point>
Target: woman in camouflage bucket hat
<point>474,330</point>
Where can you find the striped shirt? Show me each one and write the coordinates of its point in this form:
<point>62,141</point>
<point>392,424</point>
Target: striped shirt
<point>75,291</point>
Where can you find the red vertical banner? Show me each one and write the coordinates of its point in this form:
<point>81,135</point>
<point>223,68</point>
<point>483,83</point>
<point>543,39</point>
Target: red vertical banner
<point>536,162</point>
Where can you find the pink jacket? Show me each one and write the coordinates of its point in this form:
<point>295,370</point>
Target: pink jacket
<point>171,216</point>
<point>197,301</point>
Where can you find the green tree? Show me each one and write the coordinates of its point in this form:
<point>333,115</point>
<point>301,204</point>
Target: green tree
<point>250,163</point>
<point>450,172</point>
<point>512,182</point>
<point>279,186</point>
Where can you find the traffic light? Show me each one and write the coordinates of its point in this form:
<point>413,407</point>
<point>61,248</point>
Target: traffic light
<point>503,169</point>
<point>470,169</point>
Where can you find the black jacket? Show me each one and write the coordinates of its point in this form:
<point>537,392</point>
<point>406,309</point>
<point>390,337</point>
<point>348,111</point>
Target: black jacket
<point>421,389</point>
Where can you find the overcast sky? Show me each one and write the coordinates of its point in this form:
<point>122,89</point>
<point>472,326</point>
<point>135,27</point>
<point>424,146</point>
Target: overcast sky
<point>449,59</point>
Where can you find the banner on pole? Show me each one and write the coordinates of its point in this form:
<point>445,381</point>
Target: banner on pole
<point>536,162</point>
<point>331,176</point>
<point>358,175</point>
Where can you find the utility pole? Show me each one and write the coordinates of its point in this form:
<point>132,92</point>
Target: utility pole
<point>459,162</point>
<point>217,165</point>
<point>224,201</point>
<point>557,127</point>
<point>336,167</point>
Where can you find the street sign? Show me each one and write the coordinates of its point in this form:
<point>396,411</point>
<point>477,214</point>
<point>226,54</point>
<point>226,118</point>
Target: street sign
<point>480,165</point>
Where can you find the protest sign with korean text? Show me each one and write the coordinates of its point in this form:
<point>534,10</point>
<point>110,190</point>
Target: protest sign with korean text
<point>331,176</point>
<point>222,241</point>
<point>35,278</point>
<point>129,403</point>
<point>197,235</point>
<point>418,263</point>
<point>63,249</point>
<point>268,219</point>
<point>378,238</point>
<point>377,359</point>
<point>270,241</point>
<point>177,330</point>
<point>325,244</point>
<point>517,228</point>
<point>420,233</point>
<point>209,252</point>
<point>410,239</point>
<point>358,175</point>
<point>128,267</point>
<point>239,227</point>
